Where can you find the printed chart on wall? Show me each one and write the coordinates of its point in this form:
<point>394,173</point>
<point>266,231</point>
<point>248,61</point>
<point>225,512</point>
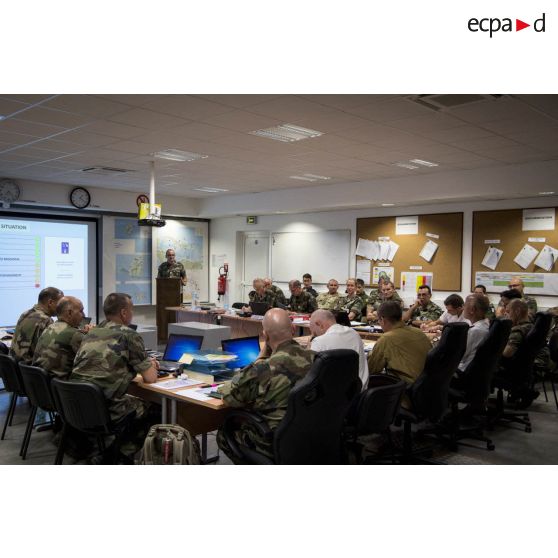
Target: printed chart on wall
<point>535,283</point>
<point>410,282</point>
<point>127,265</point>
<point>189,241</point>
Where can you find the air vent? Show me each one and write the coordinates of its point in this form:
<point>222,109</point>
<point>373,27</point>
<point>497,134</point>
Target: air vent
<point>105,171</point>
<point>446,102</point>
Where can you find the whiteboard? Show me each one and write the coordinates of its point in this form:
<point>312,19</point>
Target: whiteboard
<point>323,254</point>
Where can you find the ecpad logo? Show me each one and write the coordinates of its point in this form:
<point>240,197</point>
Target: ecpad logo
<point>493,25</point>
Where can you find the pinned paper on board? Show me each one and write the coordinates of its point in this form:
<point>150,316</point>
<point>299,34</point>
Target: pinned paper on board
<point>384,249</point>
<point>406,225</point>
<point>386,273</point>
<point>492,257</point>
<point>363,271</point>
<point>411,281</point>
<point>428,250</point>
<point>393,247</point>
<point>368,249</point>
<point>525,256</point>
<point>547,258</point>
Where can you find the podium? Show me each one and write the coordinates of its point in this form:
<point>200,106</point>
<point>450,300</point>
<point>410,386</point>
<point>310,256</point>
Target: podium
<point>169,293</point>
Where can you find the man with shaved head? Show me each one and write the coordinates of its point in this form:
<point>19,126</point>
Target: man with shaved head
<point>328,334</point>
<point>516,283</point>
<point>264,385</point>
<point>59,343</point>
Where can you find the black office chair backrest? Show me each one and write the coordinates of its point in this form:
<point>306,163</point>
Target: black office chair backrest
<point>534,341</point>
<point>11,376</point>
<point>429,393</point>
<point>37,386</point>
<point>310,432</point>
<point>482,368</point>
<point>239,305</point>
<point>377,406</point>
<point>81,405</point>
<point>4,349</point>
<point>553,347</point>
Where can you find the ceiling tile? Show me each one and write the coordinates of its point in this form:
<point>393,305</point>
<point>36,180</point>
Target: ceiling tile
<point>188,107</point>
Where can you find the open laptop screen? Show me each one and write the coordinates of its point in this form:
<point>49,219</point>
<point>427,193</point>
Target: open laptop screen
<point>246,349</point>
<point>179,344</point>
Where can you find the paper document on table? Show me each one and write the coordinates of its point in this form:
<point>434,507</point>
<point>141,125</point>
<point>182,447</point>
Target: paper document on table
<point>199,394</point>
<point>428,250</point>
<point>547,257</point>
<point>525,256</point>
<point>179,383</point>
<point>492,257</point>
<point>393,247</point>
<point>186,359</point>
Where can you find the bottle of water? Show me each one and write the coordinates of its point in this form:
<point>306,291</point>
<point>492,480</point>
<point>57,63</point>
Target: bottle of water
<point>195,300</point>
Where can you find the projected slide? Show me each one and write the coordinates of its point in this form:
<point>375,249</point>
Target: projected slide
<point>35,254</point>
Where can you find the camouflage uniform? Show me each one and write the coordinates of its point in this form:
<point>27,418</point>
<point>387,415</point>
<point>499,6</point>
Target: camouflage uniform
<point>264,387</point>
<point>518,334</point>
<point>380,300</point>
<point>311,290</point>
<point>29,328</point>
<point>352,304</point>
<point>365,298</point>
<point>491,313</point>
<point>304,303</point>
<point>110,357</point>
<point>167,271</point>
<point>431,312</point>
<point>374,296</point>
<point>279,295</point>
<point>268,297</point>
<point>57,348</point>
<point>328,301</point>
<point>531,306</point>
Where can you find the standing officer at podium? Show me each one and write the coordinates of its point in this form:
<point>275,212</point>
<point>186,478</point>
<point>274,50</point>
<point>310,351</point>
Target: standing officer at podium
<point>172,268</point>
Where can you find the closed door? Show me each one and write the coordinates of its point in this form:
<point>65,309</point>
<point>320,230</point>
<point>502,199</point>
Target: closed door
<point>256,260</point>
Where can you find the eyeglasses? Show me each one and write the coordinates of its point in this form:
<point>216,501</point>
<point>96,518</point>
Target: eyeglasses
<point>514,286</point>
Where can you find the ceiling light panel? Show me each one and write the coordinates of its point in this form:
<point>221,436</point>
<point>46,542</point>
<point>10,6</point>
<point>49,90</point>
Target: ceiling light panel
<point>178,155</point>
<point>287,133</point>
<point>423,163</point>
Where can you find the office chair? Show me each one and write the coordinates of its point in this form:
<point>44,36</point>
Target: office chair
<point>375,410</point>
<point>311,430</point>
<point>82,406</point>
<point>11,376</point>
<point>472,387</point>
<point>4,349</point>
<point>429,393</point>
<point>516,374</point>
<point>553,349</point>
<point>239,305</point>
<point>37,386</point>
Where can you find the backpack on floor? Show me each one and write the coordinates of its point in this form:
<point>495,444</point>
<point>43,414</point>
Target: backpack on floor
<point>170,444</point>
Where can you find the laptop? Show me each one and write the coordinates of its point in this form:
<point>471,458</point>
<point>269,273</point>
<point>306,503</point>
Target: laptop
<point>246,349</point>
<point>133,326</point>
<point>259,308</point>
<point>342,318</point>
<point>177,345</point>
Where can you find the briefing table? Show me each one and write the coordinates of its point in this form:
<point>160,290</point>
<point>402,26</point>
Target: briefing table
<point>197,416</point>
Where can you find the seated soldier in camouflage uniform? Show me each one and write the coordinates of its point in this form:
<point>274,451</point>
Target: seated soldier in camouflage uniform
<point>329,300</point>
<point>59,343</point>
<point>264,385</point>
<point>388,293</point>
<point>110,357</point>
<point>307,281</point>
<point>172,268</point>
<point>279,295</point>
<point>351,302</point>
<point>375,295</point>
<point>32,323</point>
<point>481,289</point>
<point>423,309</point>
<point>361,292</point>
<point>518,312</point>
<point>516,283</point>
<point>301,302</point>
<point>261,294</point>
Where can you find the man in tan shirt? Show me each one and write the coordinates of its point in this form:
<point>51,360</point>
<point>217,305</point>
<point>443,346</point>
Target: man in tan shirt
<point>402,349</point>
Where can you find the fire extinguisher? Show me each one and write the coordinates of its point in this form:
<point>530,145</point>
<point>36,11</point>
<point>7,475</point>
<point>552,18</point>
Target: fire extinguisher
<point>222,280</point>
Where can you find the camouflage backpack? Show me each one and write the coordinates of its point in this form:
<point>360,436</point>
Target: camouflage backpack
<point>170,444</point>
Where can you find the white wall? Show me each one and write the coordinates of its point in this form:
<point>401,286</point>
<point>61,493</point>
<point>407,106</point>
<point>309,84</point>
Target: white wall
<point>102,199</point>
<point>223,235</point>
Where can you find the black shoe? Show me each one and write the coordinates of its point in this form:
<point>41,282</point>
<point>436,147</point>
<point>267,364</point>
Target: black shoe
<point>527,399</point>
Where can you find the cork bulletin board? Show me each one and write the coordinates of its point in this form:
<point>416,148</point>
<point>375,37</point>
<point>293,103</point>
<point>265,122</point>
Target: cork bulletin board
<point>503,230</point>
<point>444,229</point>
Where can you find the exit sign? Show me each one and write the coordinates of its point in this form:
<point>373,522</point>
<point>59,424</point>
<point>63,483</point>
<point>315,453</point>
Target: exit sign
<point>252,220</point>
